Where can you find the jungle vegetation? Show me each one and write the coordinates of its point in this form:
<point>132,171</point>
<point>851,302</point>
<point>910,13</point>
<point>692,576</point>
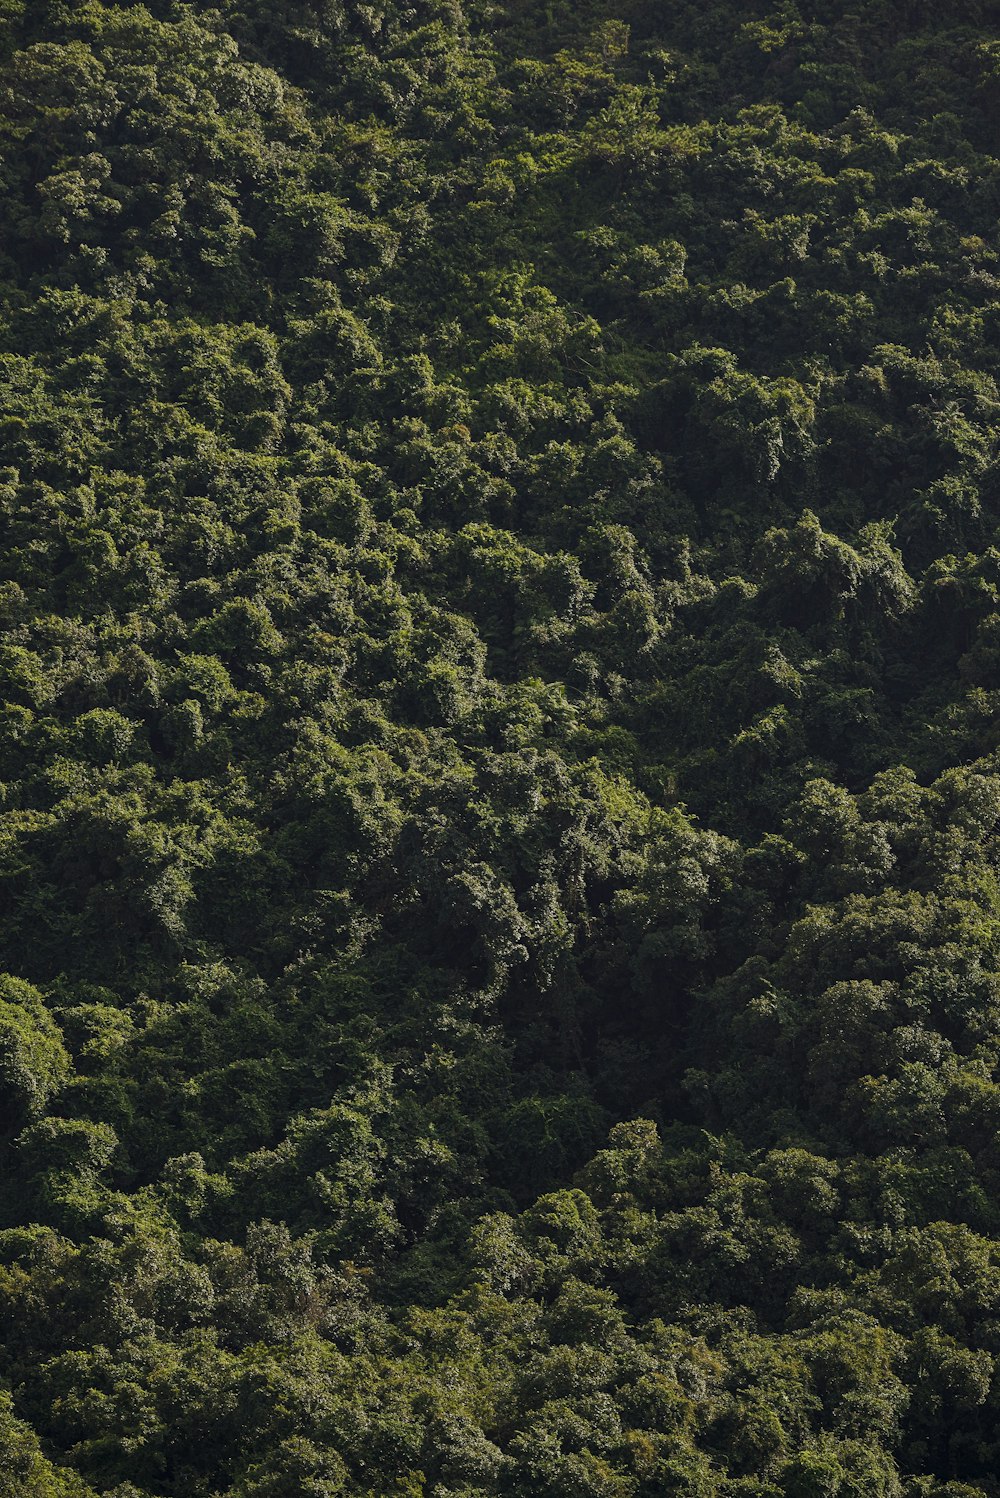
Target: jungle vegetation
<point>499,777</point>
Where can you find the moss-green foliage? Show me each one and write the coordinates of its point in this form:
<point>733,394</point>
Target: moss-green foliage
<point>24,1472</point>
<point>34,1063</point>
<point>499,775</point>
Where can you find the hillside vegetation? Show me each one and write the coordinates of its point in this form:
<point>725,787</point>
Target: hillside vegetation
<point>499,788</point>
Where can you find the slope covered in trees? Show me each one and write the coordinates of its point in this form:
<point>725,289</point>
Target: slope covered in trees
<point>499,795</point>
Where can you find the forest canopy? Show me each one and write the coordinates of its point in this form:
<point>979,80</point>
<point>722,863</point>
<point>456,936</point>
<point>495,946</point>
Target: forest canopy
<point>499,776</point>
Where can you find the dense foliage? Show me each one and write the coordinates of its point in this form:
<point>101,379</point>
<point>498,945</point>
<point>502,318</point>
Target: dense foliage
<point>500,805</point>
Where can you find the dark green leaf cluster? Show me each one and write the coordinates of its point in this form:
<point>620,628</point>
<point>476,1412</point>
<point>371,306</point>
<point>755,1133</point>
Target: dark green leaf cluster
<point>499,764</point>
